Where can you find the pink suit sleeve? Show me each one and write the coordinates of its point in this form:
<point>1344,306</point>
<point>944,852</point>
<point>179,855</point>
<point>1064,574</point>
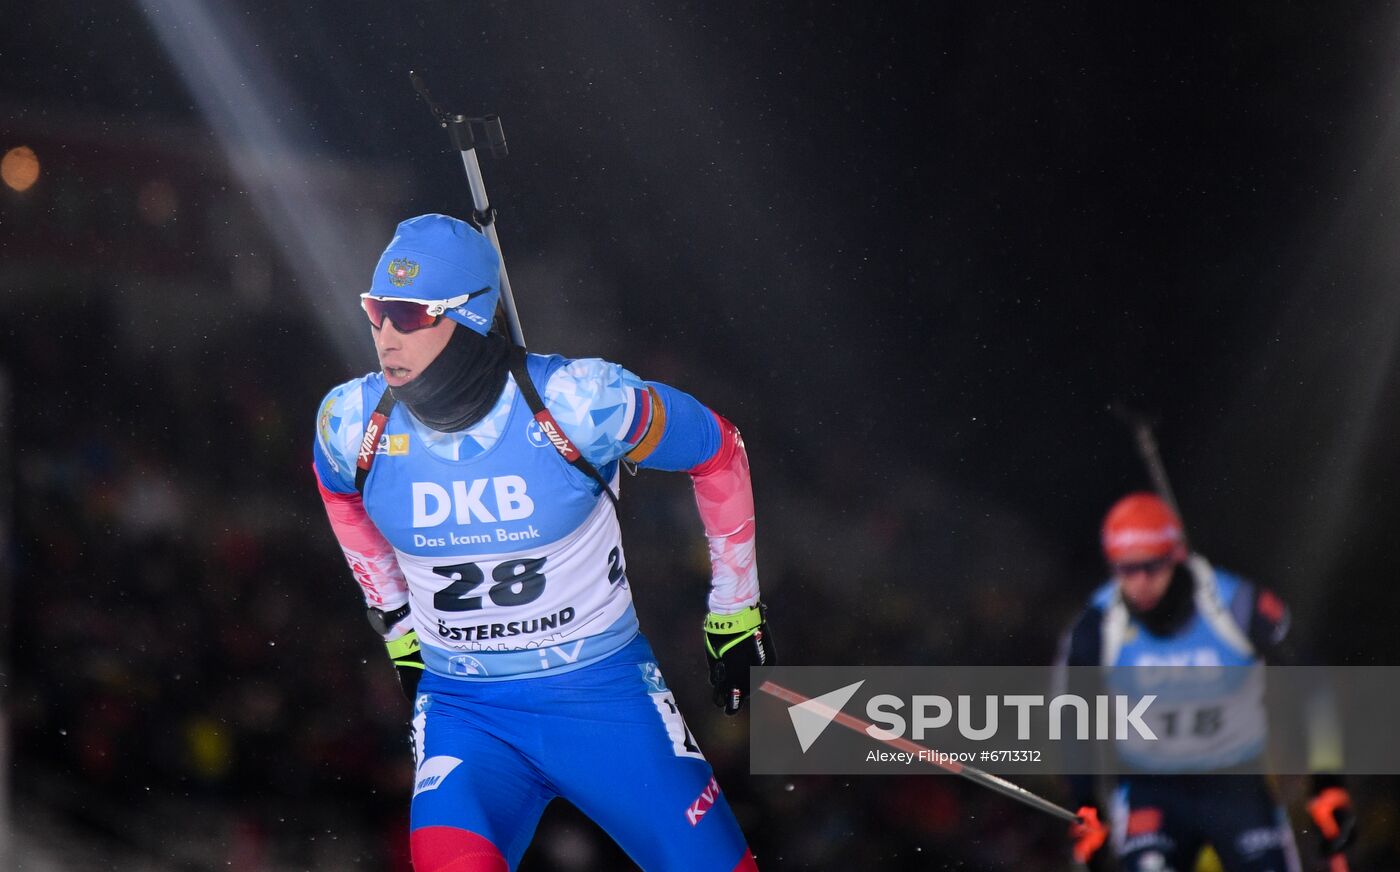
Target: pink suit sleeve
<point>369,554</point>
<point>724,495</point>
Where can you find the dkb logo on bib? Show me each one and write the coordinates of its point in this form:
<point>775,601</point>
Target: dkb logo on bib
<point>434,504</point>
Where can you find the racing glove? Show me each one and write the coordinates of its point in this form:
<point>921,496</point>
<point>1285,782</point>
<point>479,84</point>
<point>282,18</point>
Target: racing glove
<point>1330,808</point>
<point>733,643</point>
<point>1088,836</point>
<point>404,650</point>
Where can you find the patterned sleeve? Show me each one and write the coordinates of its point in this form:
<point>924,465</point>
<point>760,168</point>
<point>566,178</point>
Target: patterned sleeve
<point>604,408</point>
<point>339,428</point>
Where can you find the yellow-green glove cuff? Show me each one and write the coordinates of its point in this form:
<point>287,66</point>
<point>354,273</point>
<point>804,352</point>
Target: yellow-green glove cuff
<point>739,622</point>
<point>404,648</point>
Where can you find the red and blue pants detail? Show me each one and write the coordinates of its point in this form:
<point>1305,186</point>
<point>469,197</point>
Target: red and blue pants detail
<point>607,737</point>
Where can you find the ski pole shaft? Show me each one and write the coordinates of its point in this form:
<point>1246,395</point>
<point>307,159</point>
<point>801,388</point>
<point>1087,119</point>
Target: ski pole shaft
<point>930,756</point>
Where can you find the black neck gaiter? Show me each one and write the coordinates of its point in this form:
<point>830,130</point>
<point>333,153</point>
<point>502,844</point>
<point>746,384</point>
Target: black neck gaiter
<point>1174,608</point>
<point>462,384</point>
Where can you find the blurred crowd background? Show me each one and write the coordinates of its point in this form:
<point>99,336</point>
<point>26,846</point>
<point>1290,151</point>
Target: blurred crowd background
<point>912,253</point>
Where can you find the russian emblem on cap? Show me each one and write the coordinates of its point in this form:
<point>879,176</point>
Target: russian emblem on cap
<point>402,272</point>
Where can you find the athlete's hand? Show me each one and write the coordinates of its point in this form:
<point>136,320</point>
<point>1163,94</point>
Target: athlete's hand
<point>733,643</point>
<point>408,662</point>
<point>1330,809</point>
<point>1088,835</point>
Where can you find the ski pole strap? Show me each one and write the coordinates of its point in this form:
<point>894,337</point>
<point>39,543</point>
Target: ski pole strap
<point>369,445</point>
<point>552,431</point>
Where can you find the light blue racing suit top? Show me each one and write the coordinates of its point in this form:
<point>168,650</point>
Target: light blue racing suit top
<point>513,559</point>
<point>1209,681</point>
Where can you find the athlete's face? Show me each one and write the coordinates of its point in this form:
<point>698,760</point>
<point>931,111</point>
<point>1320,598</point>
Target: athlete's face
<point>1144,578</point>
<point>403,356</point>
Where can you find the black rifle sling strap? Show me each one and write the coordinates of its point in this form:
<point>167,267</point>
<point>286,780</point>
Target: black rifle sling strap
<point>552,431</point>
<point>374,430</point>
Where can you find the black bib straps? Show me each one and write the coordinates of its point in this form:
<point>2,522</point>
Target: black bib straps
<point>374,430</point>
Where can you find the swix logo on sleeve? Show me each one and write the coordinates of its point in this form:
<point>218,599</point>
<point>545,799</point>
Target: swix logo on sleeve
<point>466,501</point>
<point>703,803</point>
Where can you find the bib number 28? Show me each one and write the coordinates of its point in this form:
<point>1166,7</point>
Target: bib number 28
<point>515,583</point>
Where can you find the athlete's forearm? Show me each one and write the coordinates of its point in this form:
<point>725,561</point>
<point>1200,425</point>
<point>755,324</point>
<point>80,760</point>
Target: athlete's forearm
<point>368,553</point>
<point>724,496</point>
<point>684,434</point>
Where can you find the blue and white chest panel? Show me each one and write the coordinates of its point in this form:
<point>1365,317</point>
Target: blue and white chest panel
<point>1209,685</point>
<point>514,563</point>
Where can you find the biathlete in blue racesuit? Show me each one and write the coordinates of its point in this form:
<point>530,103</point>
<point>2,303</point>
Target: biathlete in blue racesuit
<point>472,487</point>
<point>1192,785</point>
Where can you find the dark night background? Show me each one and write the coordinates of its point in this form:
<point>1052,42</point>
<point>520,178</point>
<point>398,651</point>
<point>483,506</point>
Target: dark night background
<point>914,252</point>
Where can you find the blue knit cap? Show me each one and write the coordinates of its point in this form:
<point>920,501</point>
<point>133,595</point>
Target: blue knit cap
<point>436,257</point>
